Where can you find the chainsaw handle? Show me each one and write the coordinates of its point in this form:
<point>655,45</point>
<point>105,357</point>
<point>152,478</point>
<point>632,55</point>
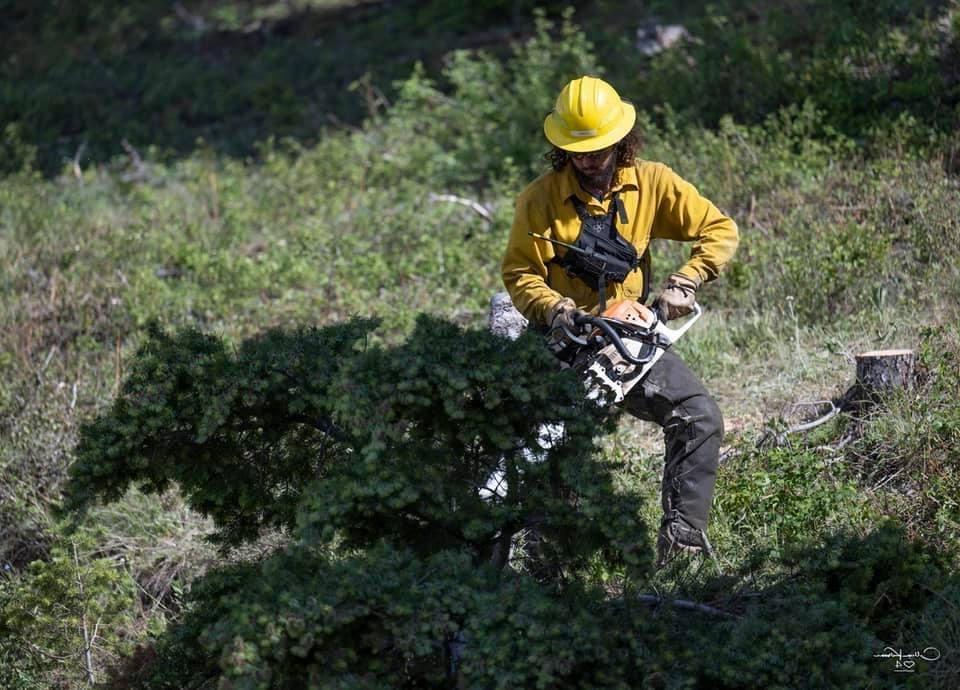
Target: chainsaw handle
<point>573,337</point>
<point>674,333</point>
<point>671,334</point>
<point>612,334</point>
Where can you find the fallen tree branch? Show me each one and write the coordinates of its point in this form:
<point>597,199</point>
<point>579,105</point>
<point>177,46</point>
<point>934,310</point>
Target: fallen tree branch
<point>77,169</point>
<point>139,172</point>
<point>87,639</point>
<point>194,21</point>
<point>469,203</point>
<point>834,411</point>
<point>655,600</point>
<point>809,403</point>
<point>730,453</point>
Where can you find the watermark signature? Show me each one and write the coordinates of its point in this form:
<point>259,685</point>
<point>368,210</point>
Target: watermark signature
<point>906,662</point>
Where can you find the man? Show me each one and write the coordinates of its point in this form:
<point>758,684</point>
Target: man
<point>597,182</point>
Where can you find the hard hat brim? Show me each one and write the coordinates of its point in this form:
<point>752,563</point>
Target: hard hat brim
<point>559,135</point>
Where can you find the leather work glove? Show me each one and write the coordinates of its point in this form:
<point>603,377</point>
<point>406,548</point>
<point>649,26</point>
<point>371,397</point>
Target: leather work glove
<point>564,313</point>
<point>678,296</point>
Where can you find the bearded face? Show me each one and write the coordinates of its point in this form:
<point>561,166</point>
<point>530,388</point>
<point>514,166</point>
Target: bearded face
<point>595,169</point>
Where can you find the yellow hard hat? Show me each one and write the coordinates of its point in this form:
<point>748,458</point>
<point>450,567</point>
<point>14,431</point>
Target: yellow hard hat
<point>589,115</point>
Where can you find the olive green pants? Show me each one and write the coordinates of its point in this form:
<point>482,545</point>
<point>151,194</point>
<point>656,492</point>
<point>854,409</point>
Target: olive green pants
<point>672,396</point>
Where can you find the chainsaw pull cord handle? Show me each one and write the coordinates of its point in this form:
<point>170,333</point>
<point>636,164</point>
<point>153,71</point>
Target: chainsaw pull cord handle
<point>612,334</point>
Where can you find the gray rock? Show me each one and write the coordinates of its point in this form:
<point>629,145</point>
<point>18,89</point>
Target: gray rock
<point>505,321</point>
<point>656,38</point>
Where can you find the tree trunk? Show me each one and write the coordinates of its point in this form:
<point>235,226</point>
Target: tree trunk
<point>881,371</point>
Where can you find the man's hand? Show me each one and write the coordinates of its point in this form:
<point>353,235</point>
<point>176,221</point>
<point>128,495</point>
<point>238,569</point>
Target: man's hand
<point>678,296</point>
<point>564,314</point>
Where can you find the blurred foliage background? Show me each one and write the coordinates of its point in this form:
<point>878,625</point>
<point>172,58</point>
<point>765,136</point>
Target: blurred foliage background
<point>204,187</point>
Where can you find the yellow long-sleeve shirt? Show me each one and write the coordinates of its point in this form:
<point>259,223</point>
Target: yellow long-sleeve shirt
<point>659,204</point>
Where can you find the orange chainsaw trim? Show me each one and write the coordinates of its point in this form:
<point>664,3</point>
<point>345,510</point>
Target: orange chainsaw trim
<point>630,311</point>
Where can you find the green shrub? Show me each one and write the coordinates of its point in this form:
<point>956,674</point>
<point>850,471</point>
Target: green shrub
<point>487,123</point>
<point>779,496</point>
<point>383,442</point>
<point>242,436</point>
<point>64,619</point>
<point>879,578</point>
<point>365,444</point>
<point>771,647</point>
<point>384,618</point>
<point>863,64</point>
<point>938,627</point>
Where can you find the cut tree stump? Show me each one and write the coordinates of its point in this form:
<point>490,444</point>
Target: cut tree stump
<point>880,372</point>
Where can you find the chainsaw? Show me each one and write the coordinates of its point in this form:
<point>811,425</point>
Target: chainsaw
<point>622,345</point>
<point>626,339</point>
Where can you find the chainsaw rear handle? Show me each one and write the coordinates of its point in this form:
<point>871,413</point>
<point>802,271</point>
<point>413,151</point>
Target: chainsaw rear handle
<point>671,334</point>
<point>674,333</point>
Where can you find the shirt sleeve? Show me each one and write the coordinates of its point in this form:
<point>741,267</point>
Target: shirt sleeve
<point>525,261</point>
<point>683,214</point>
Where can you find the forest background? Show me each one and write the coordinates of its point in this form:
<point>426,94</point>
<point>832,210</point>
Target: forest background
<point>212,463</point>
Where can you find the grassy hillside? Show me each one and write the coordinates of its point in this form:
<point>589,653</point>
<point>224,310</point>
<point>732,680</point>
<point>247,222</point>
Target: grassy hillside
<point>81,80</point>
<point>236,167</point>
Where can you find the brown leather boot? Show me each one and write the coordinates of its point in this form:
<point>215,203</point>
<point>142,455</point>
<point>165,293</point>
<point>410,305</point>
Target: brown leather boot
<point>676,538</point>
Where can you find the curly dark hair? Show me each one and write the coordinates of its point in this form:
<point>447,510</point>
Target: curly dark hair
<point>626,150</point>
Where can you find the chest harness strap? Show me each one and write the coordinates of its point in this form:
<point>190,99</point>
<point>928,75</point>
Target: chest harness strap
<point>604,255</point>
